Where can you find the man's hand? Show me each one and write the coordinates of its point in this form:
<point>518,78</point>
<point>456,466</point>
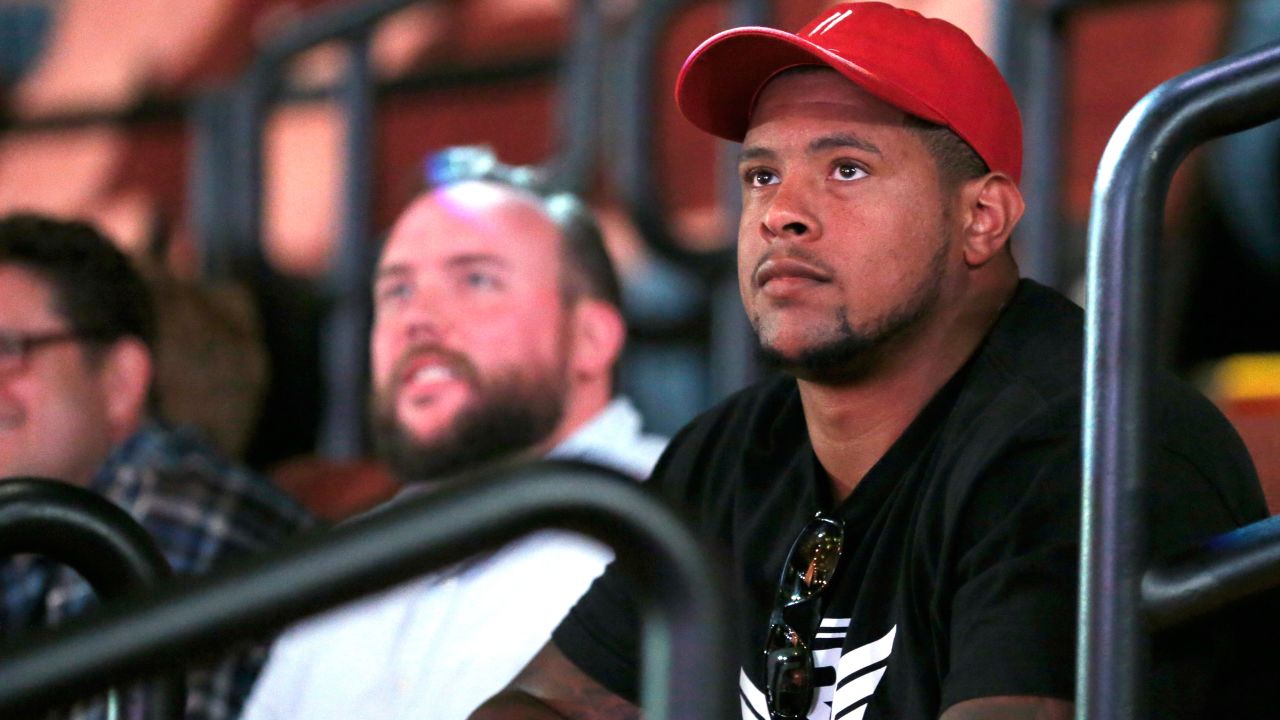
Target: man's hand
<point>551,687</point>
<point>1010,707</point>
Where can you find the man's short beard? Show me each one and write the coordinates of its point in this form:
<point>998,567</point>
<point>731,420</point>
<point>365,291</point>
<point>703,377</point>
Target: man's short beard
<point>850,354</point>
<point>505,418</point>
<point>846,357</point>
<point>842,358</point>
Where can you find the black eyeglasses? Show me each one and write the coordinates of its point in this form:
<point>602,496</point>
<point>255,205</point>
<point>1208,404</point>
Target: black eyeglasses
<point>810,565</point>
<point>14,348</point>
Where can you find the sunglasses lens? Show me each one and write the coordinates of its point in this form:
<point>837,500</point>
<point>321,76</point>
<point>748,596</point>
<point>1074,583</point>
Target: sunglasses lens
<point>812,562</point>
<point>788,675</point>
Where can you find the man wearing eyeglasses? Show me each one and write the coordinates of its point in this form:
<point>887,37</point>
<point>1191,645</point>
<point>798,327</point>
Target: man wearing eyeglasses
<point>901,505</point>
<point>77,337</point>
<point>497,328</point>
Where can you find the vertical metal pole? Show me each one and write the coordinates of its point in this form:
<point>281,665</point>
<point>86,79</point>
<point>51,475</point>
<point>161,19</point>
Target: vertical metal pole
<point>1137,167</point>
<point>346,333</point>
<point>732,342</point>
<point>245,217</point>
<point>1118,368</point>
<point>1040,82</point>
<point>579,105</point>
<point>211,177</point>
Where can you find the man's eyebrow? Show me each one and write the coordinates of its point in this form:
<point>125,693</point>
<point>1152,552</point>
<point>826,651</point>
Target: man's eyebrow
<point>755,152</point>
<point>843,140</point>
<point>467,259</point>
<point>817,145</point>
<point>393,270</point>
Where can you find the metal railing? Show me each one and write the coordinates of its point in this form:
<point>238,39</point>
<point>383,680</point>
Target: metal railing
<point>1224,97</point>
<point>84,531</point>
<point>687,665</point>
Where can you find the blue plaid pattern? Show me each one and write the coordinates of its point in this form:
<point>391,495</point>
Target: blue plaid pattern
<point>201,510</point>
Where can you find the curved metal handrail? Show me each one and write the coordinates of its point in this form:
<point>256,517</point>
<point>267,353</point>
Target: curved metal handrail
<point>1224,97</point>
<point>86,532</point>
<point>1227,568</point>
<point>687,669</point>
<point>633,168</point>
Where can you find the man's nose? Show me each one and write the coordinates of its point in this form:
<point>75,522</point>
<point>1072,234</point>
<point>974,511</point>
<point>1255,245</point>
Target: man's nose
<point>789,214</point>
<point>428,317</point>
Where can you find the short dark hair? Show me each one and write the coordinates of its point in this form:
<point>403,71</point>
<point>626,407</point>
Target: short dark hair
<point>956,159</point>
<point>95,287</point>
<point>586,268</point>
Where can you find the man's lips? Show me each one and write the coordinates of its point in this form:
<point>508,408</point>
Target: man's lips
<point>788,268</point>
<point>428,371</point>
<point>422,369</point>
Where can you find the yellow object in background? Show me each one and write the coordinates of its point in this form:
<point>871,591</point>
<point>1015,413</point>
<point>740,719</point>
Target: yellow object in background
<point>1246,377</point>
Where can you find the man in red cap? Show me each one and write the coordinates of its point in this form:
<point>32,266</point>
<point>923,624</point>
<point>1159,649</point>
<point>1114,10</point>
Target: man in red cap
<point>901,504</point>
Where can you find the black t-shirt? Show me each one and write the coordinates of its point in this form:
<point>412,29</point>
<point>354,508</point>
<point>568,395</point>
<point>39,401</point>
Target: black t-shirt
<point>958,575</point>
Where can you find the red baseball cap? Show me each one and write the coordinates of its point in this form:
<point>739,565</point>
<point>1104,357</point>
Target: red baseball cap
<point>926,67</point>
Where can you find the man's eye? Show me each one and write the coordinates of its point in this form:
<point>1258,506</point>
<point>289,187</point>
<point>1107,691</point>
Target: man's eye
<point>759,177</point>
<point>481,280</point>
<point>847,171</point>
<point>392,291</point>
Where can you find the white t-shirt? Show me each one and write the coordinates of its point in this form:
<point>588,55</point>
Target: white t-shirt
<point>438,646</point>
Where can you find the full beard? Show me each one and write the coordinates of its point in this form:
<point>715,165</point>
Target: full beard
<point>848,354</point>
<point>507,416</point>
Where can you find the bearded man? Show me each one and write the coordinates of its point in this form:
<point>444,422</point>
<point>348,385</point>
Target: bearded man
<point>496,330</point>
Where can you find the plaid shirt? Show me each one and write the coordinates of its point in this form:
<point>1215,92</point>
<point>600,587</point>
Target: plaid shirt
<point>200,509</point>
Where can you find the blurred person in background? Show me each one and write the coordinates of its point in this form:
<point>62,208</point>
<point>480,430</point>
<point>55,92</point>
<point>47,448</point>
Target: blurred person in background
<point>497,328</point>
<point>77,334</point>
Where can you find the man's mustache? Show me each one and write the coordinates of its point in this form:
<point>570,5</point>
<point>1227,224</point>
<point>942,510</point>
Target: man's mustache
<point>783,251</point>
<point>458,363</point>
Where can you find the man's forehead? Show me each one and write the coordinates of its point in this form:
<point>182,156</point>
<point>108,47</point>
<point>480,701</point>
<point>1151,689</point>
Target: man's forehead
<point>471,201</point>
<point>818,93</point>
<point>467,218</point>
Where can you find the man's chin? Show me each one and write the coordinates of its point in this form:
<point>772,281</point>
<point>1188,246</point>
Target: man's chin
<point>425,434</point>
<point>840,361</point>
<point>426,425</point>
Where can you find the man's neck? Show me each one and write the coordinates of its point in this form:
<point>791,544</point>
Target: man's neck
<point>852,425</point>
<point>583,404</point>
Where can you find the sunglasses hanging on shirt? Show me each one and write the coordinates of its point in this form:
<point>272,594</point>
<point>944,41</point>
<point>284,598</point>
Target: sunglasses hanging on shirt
<point>808,569</point>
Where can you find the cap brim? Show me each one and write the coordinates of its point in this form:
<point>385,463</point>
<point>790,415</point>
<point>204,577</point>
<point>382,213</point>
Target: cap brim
<point>717,86</point>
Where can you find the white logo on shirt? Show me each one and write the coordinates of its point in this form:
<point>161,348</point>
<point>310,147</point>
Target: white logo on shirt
<point>858,673</point>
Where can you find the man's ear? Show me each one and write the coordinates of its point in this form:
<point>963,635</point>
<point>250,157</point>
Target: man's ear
<point>598,336</point>
<point>993,206</point>
<point>126,373</point>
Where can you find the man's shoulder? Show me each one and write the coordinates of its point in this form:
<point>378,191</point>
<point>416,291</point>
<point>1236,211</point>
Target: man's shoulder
<point>753,432</point>
<point>1036,346</point>
<point>1025,392</point>
<point>762,415</point>
<point>1193,439</point>
<point>180,489</point>
<point>1024,382</point>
